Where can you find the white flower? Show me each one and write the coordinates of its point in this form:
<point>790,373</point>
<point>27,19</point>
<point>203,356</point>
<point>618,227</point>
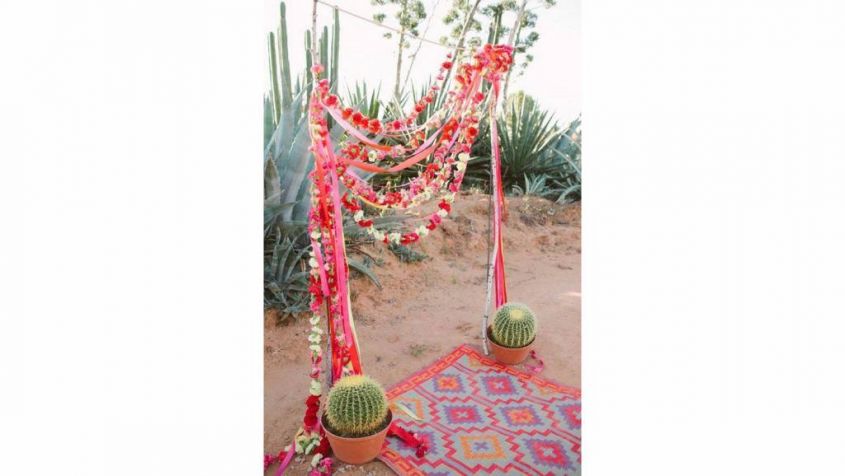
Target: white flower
<point>358,215</point>
<point>442,213</point>
<point>316,389</point>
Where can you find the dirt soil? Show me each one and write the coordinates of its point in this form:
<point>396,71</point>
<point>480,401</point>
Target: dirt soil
<point>426,309</point>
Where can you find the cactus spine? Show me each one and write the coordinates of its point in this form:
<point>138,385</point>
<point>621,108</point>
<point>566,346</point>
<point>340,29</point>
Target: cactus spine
<point>514,325</point>
<point>357,406</point>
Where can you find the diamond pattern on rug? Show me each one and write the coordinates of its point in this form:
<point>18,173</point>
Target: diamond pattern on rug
<point>482,417</point>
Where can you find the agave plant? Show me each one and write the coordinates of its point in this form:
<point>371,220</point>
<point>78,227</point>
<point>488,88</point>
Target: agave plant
<point>287,162</point>
<point>535,185</point>
<point>526,135</point>
<point>568,149</point>
<point>364,100</point>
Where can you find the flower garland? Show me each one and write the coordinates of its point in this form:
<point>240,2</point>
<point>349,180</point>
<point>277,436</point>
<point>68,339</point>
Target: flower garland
<point>443,143</point>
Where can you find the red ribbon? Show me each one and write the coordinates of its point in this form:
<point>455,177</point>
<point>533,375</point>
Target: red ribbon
<point>500,287</point>
<point>410,439</point>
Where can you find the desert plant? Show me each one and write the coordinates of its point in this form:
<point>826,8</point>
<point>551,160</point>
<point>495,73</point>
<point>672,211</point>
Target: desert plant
<point>287,163</point>
<point>568,150</point>
<point>409,15</point>
<point>365,100</point>
<point>357,406</point>
<point>286,276</point>
<point>526,135</point>
<point>406,254</point>
<point>514,325</point>
<point>535,185</point>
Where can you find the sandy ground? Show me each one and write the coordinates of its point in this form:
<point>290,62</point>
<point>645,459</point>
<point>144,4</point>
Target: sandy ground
<point>426,309</point>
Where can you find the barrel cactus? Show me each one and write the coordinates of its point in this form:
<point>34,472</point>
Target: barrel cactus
<point>514,325</point>
<point>357,406</point>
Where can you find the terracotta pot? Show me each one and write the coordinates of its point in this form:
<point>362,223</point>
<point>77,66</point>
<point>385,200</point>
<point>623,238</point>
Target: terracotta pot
<point>357,450</point>
<point>508,355</point>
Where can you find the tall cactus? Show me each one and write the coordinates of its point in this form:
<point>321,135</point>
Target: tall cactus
<point>308,73</point>
<point>335,51</point>
<point>514,325</point>
<point>287,94</point>
<point>274,78</point>
<point>288,143</point>
<point>357,406</point>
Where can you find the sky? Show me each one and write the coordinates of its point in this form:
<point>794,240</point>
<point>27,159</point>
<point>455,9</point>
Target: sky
<point>554,77</point>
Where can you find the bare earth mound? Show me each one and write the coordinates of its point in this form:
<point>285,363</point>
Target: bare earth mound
<point>426,309</point>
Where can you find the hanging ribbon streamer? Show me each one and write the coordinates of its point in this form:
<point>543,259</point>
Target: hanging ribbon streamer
<point>496,287</point>
<point>498,205</point>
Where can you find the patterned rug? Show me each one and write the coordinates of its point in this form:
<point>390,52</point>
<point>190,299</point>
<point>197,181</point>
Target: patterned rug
<point>482,417</point>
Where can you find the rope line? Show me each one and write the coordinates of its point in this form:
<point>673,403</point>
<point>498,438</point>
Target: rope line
<point>410,35</point>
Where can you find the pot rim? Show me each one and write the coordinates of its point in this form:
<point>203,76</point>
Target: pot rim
<point>323,422</point>
<point>493,341</point>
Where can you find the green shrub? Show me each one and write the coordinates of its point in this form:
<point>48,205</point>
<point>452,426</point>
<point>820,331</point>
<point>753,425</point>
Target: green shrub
<point>357,406</point>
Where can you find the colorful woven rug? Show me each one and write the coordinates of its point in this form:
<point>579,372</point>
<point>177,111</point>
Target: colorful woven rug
<point>482,417</point>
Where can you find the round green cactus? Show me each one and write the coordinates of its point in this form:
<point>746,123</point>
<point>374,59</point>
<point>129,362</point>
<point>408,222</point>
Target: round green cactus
<point>514,325</point>
<point>357,406</point>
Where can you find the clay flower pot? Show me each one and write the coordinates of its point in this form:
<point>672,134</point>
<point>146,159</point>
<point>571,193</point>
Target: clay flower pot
<point>508,355</point>
<point>357,450</point>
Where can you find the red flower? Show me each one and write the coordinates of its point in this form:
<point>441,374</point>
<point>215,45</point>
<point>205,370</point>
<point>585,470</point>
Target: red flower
<point>418,108</point>
<point>322,447</point>
<point>310,420</point>
<point>472,132</point>
<point>445,206</point>
<point>356,117</point>
<point>447,64</point>
<point>354,150</point>
<point>346,113</point>
<point>375,126</point>
<point>365,223</point>
<point>409,238</point>
<point>331,101</point>
<point>397,124</point>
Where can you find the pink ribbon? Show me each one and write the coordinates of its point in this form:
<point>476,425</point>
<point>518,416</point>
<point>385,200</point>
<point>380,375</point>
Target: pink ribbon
<point>498,198</point>
<point>284,464</point>
<point>535,368</point>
